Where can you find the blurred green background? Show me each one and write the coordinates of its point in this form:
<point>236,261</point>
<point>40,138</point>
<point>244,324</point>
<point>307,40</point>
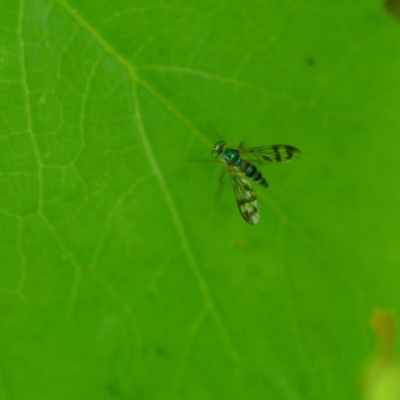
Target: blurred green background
<point>121,276</point>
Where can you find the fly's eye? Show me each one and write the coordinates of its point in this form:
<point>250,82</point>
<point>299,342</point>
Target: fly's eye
<point>218,148</point>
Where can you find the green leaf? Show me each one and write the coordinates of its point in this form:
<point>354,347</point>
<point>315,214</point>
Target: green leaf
<point>121,275</point>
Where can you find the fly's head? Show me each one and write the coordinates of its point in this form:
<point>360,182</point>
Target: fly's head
<point>218,149</point>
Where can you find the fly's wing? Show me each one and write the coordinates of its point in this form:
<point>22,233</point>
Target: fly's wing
<point>246,199</point>
<point>274,153</point>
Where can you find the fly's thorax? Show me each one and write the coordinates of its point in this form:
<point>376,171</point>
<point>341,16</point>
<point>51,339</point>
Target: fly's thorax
<point>231,157</point>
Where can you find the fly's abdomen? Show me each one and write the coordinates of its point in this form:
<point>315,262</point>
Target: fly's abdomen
<point>252,172</point>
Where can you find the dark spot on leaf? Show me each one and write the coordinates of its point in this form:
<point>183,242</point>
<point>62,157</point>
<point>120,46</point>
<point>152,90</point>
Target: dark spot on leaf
<point>393,7</point>
<point>310,61</point>
<point>162,352</point>
<point>114,390</point>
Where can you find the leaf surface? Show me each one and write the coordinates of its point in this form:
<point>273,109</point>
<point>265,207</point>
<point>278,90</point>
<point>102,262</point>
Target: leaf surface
<point>121,275</point>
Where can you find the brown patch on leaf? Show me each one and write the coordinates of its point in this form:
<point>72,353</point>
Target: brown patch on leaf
<point>381,377</point>
<point>393,8</point>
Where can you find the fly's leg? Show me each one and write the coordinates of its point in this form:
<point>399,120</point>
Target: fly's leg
<point>221,185</point>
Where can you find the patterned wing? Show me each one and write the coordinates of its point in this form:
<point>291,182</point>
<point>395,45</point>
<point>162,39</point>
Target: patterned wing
<point>274,153</point>
<point>246,199</point>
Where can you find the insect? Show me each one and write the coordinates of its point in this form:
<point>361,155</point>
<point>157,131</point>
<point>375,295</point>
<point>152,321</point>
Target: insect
<point>241,171</point>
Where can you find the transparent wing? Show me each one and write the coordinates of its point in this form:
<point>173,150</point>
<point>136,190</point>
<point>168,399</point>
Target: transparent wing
<point>274,153</point>
<point>246,199</point>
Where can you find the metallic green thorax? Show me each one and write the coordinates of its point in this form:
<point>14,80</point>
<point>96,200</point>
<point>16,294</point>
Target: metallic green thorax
<point>231,157</point>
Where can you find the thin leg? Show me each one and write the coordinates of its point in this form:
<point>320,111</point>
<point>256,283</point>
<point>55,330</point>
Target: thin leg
<point>221,185</point>
<point>205,161</point>
<point>214,131</point>
<point>223,174</point>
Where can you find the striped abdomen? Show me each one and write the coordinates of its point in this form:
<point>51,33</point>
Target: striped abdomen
<point>252,172</point>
